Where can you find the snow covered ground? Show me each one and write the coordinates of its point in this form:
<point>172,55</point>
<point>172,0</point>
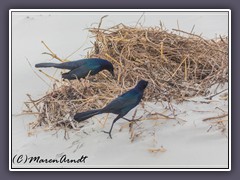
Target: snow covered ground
<point>185,142</point>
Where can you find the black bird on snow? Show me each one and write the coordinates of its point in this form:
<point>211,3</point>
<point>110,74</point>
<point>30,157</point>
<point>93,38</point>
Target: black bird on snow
<point>120,106</point>
<point>80,68</point>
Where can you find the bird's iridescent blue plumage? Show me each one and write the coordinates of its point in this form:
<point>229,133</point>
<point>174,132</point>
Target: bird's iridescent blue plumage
<point>120,106</point>
<point>81,68</point>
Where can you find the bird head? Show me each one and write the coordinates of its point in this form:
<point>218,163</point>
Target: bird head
<point>142,84</point>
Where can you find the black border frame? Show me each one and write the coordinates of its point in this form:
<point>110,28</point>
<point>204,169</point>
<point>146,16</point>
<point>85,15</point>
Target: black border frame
<point>120,169</point>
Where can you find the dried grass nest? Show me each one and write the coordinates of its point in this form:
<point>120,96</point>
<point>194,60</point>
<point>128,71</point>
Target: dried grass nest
<point>177,65</point>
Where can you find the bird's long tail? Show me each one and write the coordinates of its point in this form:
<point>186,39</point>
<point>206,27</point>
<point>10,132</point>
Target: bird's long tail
<point>86,115</point>
<point>44,65</point>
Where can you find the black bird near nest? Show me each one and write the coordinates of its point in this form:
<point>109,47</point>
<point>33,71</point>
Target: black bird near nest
<point>120,106</point>
<point>81,68</point>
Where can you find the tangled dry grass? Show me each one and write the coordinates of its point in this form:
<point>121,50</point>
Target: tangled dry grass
<point>177,64</point>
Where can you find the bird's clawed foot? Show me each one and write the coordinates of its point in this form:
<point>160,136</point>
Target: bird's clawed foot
<point>133,120</point>
<point>109,133</point>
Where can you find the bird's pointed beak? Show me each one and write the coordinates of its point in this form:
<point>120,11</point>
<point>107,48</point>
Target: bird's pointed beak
<point>112,74</point>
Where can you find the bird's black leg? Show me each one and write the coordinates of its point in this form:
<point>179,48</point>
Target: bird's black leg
<point>118,117</point>
<point>126,119</point>
<point>133,120</point>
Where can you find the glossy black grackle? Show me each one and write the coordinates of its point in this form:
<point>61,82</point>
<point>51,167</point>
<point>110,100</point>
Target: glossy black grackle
<point>120,106</point>
<point>81,68</point>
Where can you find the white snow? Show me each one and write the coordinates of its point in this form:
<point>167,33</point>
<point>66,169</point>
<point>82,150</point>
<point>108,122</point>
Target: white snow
<point>188,142</point>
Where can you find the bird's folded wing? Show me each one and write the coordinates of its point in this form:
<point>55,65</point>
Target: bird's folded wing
<point>123,101</point>
<point>78,72</point>
<point>71,65</point>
